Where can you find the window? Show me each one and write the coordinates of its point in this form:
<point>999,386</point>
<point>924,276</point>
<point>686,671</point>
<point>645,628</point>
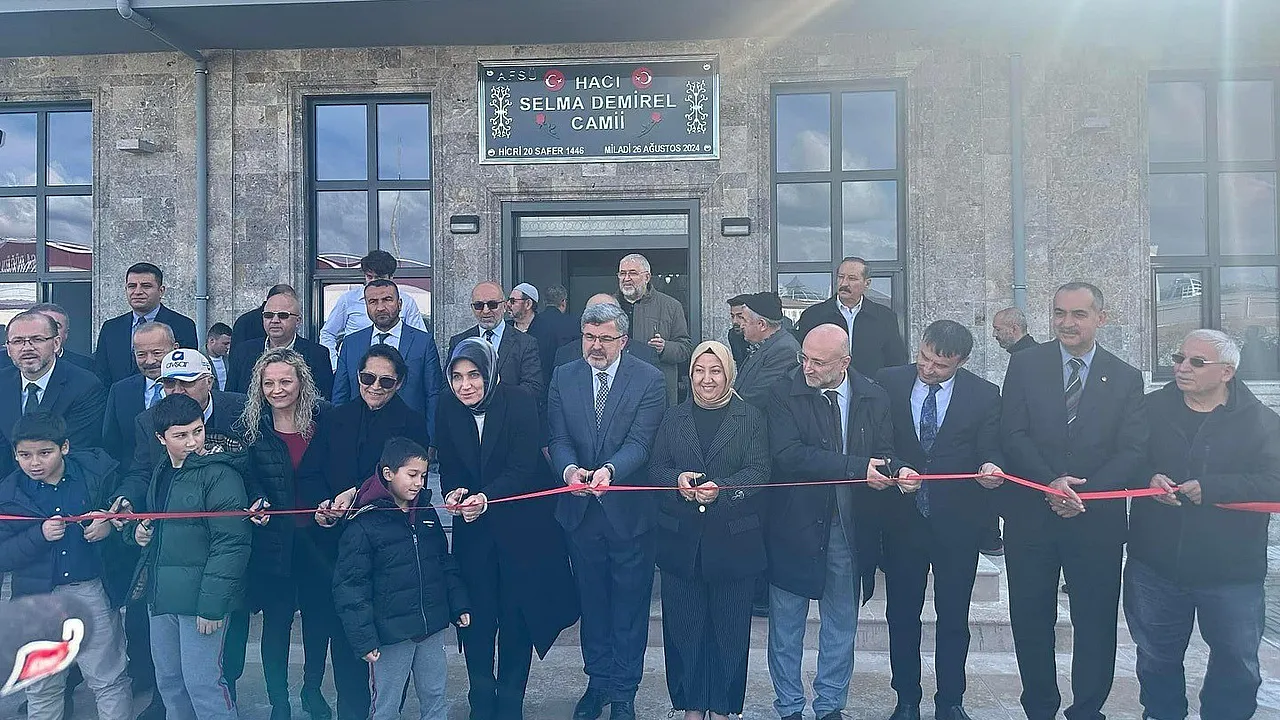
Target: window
<point>46,211</point>
<point>839,189</point>
<point>369,184</point>
<point>1212,199</point>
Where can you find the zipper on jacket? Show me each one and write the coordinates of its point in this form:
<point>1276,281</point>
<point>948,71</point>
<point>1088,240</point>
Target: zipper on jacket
<point>422,602</point>
<point>154,545</point>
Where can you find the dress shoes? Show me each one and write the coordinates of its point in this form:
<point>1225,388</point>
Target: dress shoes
<point>955,712</point>
<point>622,710</point>
<point>590,706</point>
<point>907,712</point>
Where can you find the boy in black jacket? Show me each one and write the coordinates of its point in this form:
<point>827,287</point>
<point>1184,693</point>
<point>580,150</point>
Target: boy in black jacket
<point>395,544</point>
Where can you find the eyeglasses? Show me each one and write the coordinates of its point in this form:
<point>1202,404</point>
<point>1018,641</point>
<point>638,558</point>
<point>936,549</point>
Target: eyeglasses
<point>386,382</point>
<point>268,315</point>
<point>514,300</point>
<point>817,364</point>
<point>1196,362</point>
<point>602,339</point>
<point>482,304</point>
<point>18,342</point>
<point>630,273</point>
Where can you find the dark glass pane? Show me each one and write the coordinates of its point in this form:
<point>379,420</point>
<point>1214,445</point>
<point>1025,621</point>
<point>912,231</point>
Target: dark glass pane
<point>869,130</point>
<point>870,211</point>
<point>802,133</point>
<point>1249,298</point>
<point>77,298</point>
<point>1246,130</point>
<point>70,148</point>
<point>1179,310</point>
<point>69,233</point>
<point>1178,220</point>
<point>18,150</point>
<point>800,290</point>
<point>404,140</point>
<point>342,142</point>
<point>14,298</point>
<point>804,222</point>
<point>1175,112</point>
<point>404,226</point>
<point>17,234</point>
<point>342,229</point>
<point>1247,213</point>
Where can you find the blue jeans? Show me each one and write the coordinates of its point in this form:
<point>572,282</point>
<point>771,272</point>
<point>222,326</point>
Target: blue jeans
<point>423,660</point>
<point>838,613</point>
<point>189,669</point>
<point>1161,614</point>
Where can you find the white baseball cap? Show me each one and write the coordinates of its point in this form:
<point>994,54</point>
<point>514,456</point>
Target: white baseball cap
<point>185,364</point>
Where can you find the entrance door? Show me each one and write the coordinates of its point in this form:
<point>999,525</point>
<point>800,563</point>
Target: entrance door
<point>587,272</point>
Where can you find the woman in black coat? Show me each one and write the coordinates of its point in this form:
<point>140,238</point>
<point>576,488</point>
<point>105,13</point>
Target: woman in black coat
<point>512,555</point>
<point>714,448</point>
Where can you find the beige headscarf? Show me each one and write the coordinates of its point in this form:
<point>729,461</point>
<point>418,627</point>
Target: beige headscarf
<point>730,373</point>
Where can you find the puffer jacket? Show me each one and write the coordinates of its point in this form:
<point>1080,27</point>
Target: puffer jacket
<point>23,549</point>
<point>1236,458</point>
<point>196,566</point>
<point>395,579</point>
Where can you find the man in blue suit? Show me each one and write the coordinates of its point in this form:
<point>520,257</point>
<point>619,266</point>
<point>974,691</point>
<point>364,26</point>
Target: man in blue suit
<point>422,384</point>
<point>132,395</point>
<point>144,286</point>
<point>40,381</point>
<point>946,420</point>
<point>604,412</point>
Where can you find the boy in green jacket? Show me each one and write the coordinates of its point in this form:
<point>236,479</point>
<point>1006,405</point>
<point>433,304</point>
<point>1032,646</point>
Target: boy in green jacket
<point>191,573</point>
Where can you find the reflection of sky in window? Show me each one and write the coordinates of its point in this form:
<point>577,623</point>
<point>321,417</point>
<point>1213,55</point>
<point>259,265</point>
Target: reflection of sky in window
<point>870,213</point>
<point>1176,124</point>
<point>342,229</point>
<point>804,222</point>
<point>1178,219</point>
<point>869,128</point>
<point>70,148</point>
<point>404,225</point>
<point>1245,127</point>
<point>69,219</point>
<point>18,153</point>
<point>341,142</point>
<point>404,133</point>
<point>17,218</point>
<point>802,128</point>
<point>1247,220</point>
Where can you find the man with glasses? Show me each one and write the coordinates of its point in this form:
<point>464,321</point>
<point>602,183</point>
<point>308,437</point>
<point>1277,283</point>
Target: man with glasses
<point>348,315</point>
<point>604,411</point>
<point>657,319</point>
<point>875,340</point>
<point>144,288</point>
<point>828,422</point>
<point>423,379</point>
<point>1212,441</point>
<point>1072,418</point>
<point>281,316</point>
<point>42,382</point>
<point>518,359</point>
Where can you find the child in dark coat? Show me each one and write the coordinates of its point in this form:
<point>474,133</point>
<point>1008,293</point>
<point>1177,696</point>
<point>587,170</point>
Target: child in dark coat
<point>396,587</point>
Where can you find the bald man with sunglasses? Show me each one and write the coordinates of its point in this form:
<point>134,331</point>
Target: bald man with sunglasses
<point>281,318</point>
<point>519,361</point>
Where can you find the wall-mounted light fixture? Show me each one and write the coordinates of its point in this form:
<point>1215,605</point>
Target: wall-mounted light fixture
<point>464,224</point>
<point>137,146</point>
<point>735,226</point>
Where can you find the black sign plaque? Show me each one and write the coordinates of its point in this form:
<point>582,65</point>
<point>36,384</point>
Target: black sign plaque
<point>608,111</point>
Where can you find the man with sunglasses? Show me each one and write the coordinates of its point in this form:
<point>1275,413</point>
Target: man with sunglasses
<point>281,316</point>
<point>1212,441</point>
<point>518,358</point>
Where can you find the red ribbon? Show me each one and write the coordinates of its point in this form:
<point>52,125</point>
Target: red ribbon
<point>1267,507</point>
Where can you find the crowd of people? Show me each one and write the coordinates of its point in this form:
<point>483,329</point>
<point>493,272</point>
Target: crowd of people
<point>294,474</point>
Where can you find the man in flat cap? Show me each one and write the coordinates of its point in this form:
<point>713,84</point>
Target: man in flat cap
<point>774,353</point>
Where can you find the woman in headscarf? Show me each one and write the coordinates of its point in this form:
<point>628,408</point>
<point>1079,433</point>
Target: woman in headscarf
<point>713,448</point>
<point>512,555</point>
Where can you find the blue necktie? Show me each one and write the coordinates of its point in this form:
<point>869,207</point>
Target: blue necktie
<point>928,433</point>
<point>153,395</point>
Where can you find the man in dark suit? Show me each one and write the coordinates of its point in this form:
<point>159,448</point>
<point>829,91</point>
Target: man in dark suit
<point>827,423</point>
<point>875,336</point>
<point>248,325</point>
<point>946,420</point>
<point>518,358</point>
<point>773,351</point>
<point>132,395</point>
<point>59,315</point>
<point>144,287</point>
<point>572,350</point>
<point>1072,418</point>
<point>280,319</point>
<point>553,328</point>
<point>1009,326</point>
<point>604,412</point>
<point>418,347</point>
<point>40,381</point>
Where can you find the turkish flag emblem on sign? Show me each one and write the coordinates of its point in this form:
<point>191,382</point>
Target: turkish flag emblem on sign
<point>44,658</point>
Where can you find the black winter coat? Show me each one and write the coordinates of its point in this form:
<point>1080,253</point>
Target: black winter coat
<point>1236,458</point>
<point>395,579</point>
<point>23,549</point>
<point>877,336</point>
<point>350,442</point>
<point>723,540</point>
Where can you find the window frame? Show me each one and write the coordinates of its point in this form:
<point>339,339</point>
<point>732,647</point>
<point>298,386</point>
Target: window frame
<point>835,177</point>
<point>372,185</point>
<point>1211,264</point>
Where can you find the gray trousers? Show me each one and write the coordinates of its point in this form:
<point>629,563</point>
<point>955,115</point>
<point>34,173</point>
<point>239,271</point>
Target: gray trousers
<point>189,669</point>
<point>101,660</point>
<point>388,675</point>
